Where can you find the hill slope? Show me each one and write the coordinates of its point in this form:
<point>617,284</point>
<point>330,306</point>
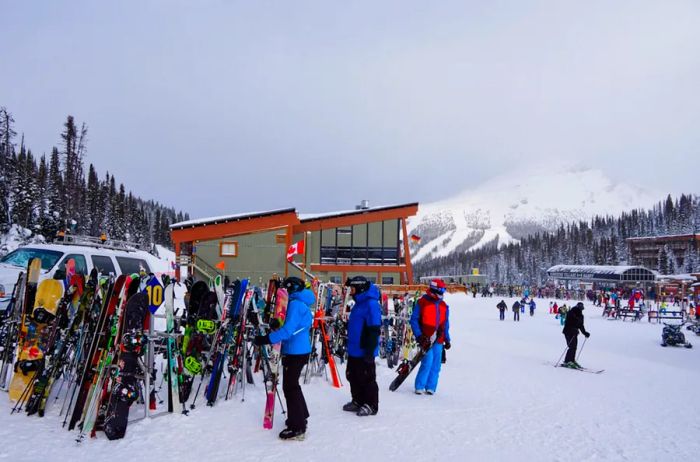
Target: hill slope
<point>514,205</point>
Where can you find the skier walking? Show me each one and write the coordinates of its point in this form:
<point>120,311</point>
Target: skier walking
<point>516,311</point>
<point>502,307</point>
<point>364,326</point>
<point>430,322</point>
<point>574,323</point>
<point>296,346</point>
<point>533,305</point>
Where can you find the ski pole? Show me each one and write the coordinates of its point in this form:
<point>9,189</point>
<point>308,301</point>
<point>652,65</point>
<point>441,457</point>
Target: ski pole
<point>564,352</point>
<point>581,350</point>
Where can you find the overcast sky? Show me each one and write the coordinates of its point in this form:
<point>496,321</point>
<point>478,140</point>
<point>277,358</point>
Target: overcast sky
<point>219,106</point>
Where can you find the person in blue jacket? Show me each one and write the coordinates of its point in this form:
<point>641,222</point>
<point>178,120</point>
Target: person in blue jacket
<point>533,305</point>
<point>296,346</point>
<point>430,322</point>
<point>364,325</point>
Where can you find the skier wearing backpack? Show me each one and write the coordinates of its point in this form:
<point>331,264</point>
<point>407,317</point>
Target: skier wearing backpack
<point>363,328</point>
<point>296,346</point>
<point>502,307</point>
<point>430,322</point>
<point>573,324</point>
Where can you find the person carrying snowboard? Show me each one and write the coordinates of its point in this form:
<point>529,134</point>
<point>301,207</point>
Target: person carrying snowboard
<point>502,307</point>
<point>516,311</point>
<point>430,322</point>
<point>363,328</point>
<point>573,324</point>
<point>296,347</point>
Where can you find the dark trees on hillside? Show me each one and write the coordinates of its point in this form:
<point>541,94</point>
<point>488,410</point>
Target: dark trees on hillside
<point>46,197</point>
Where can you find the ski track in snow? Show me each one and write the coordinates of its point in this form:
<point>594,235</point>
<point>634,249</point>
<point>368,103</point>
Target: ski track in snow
<point>497,400</point>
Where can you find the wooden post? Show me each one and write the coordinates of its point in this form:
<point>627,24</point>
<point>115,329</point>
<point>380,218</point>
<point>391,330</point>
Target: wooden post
<point>407,253</point>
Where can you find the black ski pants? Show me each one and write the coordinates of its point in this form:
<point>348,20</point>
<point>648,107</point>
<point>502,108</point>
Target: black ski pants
<point>297,412</point>
<point>503,314</point>
<point>363,382</point>
<point>572,342</point>
<point>516,315</point>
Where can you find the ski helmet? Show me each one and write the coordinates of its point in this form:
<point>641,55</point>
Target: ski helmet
<point>293,284</point>
<point>360,283</point>
<point>437,287</point>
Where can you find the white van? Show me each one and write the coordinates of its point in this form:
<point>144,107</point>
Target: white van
<point>107,260</point>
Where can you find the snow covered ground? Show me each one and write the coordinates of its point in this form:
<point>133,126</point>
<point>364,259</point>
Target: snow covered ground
<point>497,400</point>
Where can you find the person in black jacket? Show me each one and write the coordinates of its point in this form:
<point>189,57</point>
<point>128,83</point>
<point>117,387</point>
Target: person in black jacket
<point>502,307</point>
<point>574,323</point>
<point>516,311</point>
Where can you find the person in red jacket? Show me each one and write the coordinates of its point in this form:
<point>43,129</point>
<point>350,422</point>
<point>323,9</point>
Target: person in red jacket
<point>430,322</point>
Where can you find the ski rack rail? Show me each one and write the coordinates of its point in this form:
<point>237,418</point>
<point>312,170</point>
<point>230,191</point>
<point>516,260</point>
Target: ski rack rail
<point>91,241</point>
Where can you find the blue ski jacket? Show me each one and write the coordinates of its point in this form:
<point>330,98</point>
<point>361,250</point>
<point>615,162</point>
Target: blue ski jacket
<point>294,333</point>
<point>365,313</point>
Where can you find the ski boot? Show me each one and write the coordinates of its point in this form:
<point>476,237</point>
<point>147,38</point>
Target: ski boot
<point>419,392</point>
<point>289,434</point>
<point>352,406</point>
<point>366,410</point>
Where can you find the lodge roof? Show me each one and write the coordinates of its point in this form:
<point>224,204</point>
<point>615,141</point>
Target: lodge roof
<point>229,218</point>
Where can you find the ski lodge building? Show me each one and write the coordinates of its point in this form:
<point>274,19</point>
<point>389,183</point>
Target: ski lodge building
<point>603,276</point>
<point>653,251</point>
<point>368,241</point>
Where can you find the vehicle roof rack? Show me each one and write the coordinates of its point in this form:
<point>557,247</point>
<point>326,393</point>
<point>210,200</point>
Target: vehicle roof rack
<point>91,241</point>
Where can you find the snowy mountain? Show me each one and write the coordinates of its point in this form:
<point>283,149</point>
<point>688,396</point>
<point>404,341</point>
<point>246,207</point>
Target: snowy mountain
<point>511,206</point>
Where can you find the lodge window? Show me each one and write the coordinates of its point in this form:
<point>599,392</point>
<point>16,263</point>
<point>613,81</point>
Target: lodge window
<point>373,243</point>
<point>228,249</point>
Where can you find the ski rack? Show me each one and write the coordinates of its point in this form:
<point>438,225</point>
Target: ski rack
<point>91,241</point>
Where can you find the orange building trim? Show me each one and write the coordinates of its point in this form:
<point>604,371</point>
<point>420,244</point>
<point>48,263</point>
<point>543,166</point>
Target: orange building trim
<point>233,227</point>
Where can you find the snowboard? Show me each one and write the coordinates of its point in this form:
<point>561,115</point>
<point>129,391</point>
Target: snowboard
<point>406,367</point>
<point>32,351</point>
<point>125,387</point>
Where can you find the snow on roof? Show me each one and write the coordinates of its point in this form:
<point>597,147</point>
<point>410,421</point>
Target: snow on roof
<point>227,218</point>
<point>302,216</point>
<point>318,216</point>
<point>677,277</point>
<point>665,236</point>
<point>593,269</point>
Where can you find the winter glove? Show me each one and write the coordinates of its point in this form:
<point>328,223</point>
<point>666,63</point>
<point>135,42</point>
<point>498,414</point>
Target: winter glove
<point>261,340</point>
<point>587,334</point>
<point>448,345</point>
<point>423,341</point>
<point>275,323</point>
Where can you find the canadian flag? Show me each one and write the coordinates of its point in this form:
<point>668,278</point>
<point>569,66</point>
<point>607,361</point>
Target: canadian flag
<point>295,249</point>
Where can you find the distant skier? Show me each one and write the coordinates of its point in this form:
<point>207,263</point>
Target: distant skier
<point>516,311</point>
<point>533,305</point>
<point>364,325</point>
<point>502,307</point>
<point>574,323</point>
<point>430,322</point>
<point>296,346</point>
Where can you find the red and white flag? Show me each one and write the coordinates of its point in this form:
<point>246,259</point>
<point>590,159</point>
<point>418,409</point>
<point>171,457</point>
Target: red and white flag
<point>295,249</point>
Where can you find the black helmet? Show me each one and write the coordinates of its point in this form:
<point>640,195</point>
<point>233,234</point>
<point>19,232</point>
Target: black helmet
<point>293,284</point>
<point>360,283</point>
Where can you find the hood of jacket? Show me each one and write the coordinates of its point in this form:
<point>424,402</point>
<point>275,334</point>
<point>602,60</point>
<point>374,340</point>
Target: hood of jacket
<point>371,294</point>
<point>305,296</point>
